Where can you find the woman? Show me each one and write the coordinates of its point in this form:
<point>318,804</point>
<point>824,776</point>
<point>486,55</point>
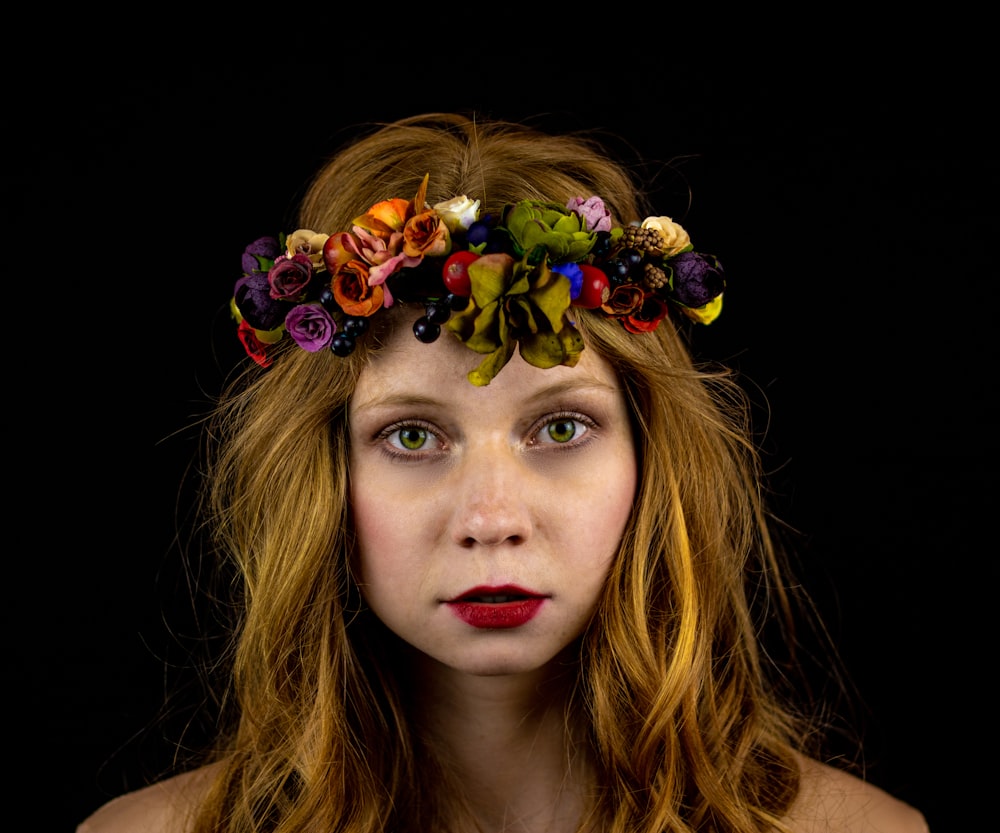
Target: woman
<point>498,536</point>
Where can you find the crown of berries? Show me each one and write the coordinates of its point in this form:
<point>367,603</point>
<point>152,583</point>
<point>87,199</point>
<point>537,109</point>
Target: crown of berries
<point>494,282</point>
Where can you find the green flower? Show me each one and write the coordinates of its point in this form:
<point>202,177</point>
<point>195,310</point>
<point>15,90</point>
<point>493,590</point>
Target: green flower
<point>540,228</point>
<point>516,302</point>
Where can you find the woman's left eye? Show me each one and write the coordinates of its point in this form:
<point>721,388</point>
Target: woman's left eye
<point>562,430</point>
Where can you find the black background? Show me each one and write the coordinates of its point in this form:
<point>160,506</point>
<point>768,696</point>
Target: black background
<point>850,192</point>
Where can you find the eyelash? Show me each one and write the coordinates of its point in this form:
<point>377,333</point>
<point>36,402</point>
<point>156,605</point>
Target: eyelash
<point>395,449</point>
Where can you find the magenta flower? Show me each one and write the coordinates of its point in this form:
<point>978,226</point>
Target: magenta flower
<point>311,326</point>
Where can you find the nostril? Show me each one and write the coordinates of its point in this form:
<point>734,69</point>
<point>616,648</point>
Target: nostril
<point>487,540</point>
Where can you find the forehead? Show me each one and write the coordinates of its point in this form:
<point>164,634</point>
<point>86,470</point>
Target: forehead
<point>406,366</point>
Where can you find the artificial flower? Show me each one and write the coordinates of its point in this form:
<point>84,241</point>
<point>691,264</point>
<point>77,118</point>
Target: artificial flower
<point>252,296</point>
<point>516,302</point>
<point>574,274</point>
<point>385,217</point>
<point>675,238</point>
<point>255,349</point>
<point>353,292</point>
<point>541,228</point>
<point>306,242</point>
<point>311,326</point>
<point>426,235</point>
<point>458,213</point>
<point>706,314</point>
<point>593,211</point>
<point>512,281</point>
<point>697,278</point>
<point>289,277</point>
<point>647,316</point>
<point>623,300</point>
<point>259,255</point>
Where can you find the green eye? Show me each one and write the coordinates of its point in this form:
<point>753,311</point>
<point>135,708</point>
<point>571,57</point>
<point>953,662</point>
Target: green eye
<point>562,430</point>
<point>412,438</point>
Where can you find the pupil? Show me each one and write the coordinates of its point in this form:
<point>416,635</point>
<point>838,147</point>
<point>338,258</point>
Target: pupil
<point>412,438</point>
<point>562,430</point>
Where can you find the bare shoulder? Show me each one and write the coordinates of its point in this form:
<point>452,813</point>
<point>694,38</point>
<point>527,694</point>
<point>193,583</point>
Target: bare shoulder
<point>834,800</point>
<point>163,807</point>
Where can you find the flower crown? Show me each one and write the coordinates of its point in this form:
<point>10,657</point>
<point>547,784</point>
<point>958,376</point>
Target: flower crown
<point>493,282</point>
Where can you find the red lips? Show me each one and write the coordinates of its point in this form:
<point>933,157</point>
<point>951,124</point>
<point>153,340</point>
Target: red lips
<point>497,608</point>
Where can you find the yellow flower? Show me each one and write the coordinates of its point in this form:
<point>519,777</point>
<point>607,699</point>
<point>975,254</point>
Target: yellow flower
<point>675,237</point>
<point>307,242</point>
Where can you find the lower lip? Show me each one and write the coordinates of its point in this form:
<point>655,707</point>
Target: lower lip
<point>497,616</point>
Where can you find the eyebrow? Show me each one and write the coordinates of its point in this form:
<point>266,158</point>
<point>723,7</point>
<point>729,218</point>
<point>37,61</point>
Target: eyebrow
<point>561,388</point>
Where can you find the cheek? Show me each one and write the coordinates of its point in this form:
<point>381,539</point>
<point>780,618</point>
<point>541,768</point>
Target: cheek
<point>371,536</point>
<point>390,533</point>
<point>601,515</point>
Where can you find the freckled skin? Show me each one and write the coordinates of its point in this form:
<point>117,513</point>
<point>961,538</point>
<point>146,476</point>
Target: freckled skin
<point>528,481</point>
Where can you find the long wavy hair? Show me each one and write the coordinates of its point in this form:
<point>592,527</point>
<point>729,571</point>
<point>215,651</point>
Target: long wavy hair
<point>685,730</point>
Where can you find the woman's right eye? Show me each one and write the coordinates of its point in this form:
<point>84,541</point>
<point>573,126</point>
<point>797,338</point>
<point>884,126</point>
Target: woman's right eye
<point>411,437</point>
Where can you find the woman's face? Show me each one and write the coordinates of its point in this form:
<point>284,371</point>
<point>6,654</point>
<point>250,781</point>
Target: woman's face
<point>487,517</point>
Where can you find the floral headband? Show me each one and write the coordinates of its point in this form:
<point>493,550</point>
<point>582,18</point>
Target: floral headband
<point>493,282</point>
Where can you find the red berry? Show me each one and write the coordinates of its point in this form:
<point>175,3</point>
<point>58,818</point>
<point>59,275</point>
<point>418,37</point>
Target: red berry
<point>595,289</point>
<point>456,272</point>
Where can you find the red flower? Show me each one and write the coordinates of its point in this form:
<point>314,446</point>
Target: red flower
<point>256,349</point>
<point>647,317</point>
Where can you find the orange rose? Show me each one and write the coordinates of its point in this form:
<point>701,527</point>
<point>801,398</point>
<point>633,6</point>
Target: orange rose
<point>352,292</point>
<point>426,235</point>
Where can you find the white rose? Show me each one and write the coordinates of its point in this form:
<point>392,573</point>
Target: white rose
<point>675,237</point>
<point>458,213</point>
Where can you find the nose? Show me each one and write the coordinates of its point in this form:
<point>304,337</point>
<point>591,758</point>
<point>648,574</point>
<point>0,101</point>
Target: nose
<point>492,500</point>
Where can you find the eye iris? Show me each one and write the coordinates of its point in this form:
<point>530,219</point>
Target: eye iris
<point>562,430</point>
<point>412,438</point>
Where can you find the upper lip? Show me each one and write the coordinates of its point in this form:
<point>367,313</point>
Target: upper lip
<point>496,594</point>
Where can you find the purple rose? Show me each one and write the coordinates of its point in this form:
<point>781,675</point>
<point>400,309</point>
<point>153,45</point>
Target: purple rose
<point>311,326</point>
<point>290,276</point>
<point>252,295</point>
<point>262,249</point>
<point>697,278</point>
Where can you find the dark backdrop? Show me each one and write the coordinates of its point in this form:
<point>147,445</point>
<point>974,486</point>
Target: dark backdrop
<point>851,198</point>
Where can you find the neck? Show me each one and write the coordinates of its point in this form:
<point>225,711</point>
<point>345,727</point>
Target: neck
<point>507,740</point>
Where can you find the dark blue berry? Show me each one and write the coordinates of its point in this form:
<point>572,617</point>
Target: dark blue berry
<point>326,298</point>
<point>355,326</point>
<point>456,302</point>
<point>631,256</point>
<point>437,312</point>
<point>426,330</point>
<point>342,345</point>
<point>617,270</point>
<point>478,232</point>
<point>602,244</point>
